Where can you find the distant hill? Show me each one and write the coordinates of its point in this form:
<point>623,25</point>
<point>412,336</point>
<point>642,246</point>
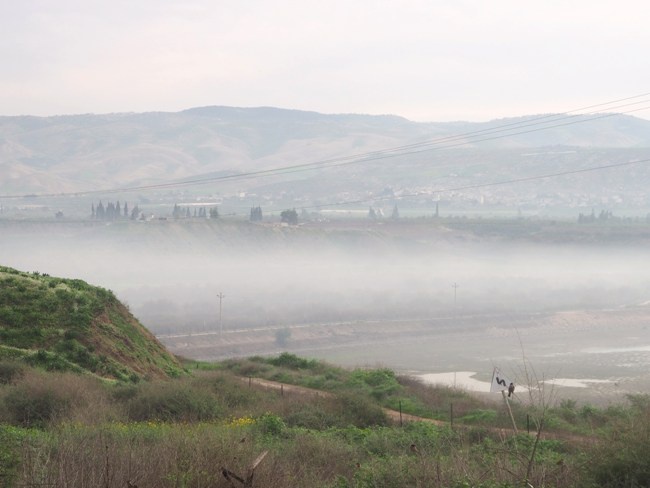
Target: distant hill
<point>80,152</point>
<point>66,324</point>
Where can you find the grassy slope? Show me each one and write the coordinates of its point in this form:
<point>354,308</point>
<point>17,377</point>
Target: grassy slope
<point>67,324</point>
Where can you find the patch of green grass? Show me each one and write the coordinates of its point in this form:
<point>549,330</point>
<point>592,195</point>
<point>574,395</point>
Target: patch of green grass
<point>479,417</point>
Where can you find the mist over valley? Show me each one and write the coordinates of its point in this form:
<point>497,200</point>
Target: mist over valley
<point>424,247</point>
<point>325,245</point>
<point>447,297</point>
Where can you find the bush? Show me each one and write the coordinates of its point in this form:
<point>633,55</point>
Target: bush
<point>230,391</point>
<point>270,424</point>
<point>254,366</point>
<point>10,371</point>
<point>40,398</point>
<point>379,382</point>
<point>624,460</point>
<point>35,404</point>
<point>291,361</point>
<point>123,392</point>
<point>480,417</point>
<point>389,473</point>
<point>310,417</point>
<point>171,402</point>
<point>360,411</point>
<point>10,440</point>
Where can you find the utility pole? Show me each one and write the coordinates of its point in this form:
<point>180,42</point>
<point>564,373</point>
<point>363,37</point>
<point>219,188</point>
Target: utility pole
<point>221,297</point>
<point>455,287</point>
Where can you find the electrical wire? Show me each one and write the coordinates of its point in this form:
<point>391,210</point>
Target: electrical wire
<point>479,185</point>
<point>464,139</point>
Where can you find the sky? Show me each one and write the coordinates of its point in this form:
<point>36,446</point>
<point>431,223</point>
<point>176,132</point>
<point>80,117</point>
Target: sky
<point>426,60</point>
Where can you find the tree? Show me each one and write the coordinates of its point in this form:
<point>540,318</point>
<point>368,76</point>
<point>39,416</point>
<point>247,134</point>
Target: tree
<point>256,214</point>
<point>110,211</point>
<point>395,214</point>
<point>100,213</point>
<point>371,213</point>
<point>282,336</point>
<point>214,213</point>
<point>289,217</point>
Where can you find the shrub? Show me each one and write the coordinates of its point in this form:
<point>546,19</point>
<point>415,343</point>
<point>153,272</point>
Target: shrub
<point>172,401</point>
<point>123,392</point>
<point>10,371</point>
<point>41,398</point>
<point>323,460</point>
<point>360,411</point>
<point>230,392</point>
<point>639,401</point>
<point>282,336</point>
<point>227,390</point>
<point>270,424</point>
<point>313,416</point>
<point>35,404</point>
<point>10,440</point>
<point>291,361</point>
<point>480,417</point>
<point>254,366</point>
<point>389,473</point>
<point>380,382</point>
<point>624,460</point>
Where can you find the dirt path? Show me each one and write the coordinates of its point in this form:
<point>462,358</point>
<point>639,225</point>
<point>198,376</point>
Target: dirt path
<point>397,417</point>
<point>394,415</point>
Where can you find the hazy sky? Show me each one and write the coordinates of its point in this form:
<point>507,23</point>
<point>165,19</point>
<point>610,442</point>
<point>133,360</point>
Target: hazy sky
<point>427,60</point>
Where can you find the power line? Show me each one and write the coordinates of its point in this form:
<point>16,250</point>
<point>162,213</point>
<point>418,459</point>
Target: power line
<point>528,122</point>
<point>504,130</point>
<point>365,157</point>
<point>479,185</point>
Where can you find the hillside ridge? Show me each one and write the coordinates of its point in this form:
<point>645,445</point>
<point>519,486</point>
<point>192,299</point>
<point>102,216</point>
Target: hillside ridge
<point>48,154</point>
<point>66,324</point>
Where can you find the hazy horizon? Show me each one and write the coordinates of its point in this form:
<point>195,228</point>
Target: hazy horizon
<point>488,118</point>
<point>449,61</point>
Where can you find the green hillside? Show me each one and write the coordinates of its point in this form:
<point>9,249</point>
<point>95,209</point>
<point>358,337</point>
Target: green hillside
<point>67,324</point>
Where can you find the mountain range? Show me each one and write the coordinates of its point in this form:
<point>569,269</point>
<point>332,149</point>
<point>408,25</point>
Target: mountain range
<point>78,153</point>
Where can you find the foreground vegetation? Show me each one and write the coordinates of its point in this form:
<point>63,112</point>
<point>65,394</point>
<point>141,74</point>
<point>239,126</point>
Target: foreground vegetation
<point>68,429</point>
<point>89,398</point>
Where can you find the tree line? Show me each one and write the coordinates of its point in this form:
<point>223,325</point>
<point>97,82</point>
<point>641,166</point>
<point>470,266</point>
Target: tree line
<point>114,211</point>
<point>201,213</point>
<point>117,211</point>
